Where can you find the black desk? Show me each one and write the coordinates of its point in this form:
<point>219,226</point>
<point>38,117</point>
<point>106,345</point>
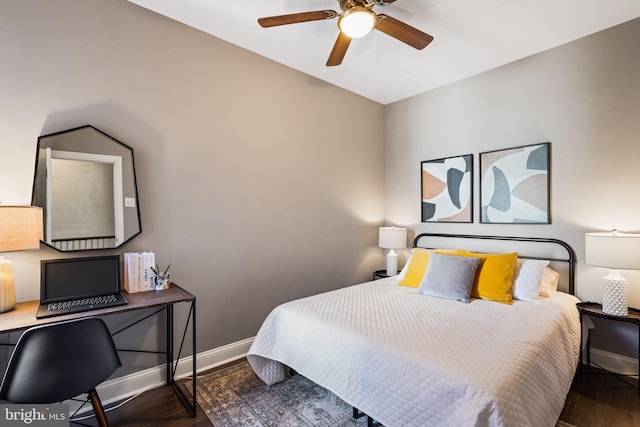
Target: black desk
<point>23,316</point>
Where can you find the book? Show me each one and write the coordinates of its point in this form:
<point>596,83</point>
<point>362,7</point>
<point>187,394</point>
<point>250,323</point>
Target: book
<point>147,274</point>
<point>138,271</point>
<point>132,268</point>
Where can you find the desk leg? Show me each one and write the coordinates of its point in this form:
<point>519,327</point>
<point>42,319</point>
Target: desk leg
<point>191,405</point>
<point>170,344</point>
<point>193,353</point>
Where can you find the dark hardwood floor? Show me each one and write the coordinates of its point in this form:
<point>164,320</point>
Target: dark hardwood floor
<point>159,407</point>
<point>602,401</point>
<point>594,400</point>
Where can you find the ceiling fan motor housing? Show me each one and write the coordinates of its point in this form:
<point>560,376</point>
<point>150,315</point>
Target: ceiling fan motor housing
<point>348,4</point>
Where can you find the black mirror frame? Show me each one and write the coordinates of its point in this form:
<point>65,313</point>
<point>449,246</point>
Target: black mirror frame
<point>135,184</point>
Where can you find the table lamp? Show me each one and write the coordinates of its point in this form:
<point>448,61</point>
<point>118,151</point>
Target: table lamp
<point>20,229</point>
<point>614,250</point>
<point>392,238</point>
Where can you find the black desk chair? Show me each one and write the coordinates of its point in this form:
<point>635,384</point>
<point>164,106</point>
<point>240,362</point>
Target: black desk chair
<point>59,361</point>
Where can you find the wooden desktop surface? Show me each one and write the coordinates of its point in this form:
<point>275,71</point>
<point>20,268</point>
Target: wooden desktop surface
<point>24,314</point>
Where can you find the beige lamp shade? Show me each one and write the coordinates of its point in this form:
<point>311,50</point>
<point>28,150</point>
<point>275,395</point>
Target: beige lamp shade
<point>613,250</point>
<point>20,229</point>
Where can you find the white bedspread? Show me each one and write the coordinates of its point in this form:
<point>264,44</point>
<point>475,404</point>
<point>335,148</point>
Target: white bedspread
<point>413,360</point>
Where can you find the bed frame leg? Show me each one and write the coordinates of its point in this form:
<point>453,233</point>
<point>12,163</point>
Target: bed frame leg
<point>357,413</point>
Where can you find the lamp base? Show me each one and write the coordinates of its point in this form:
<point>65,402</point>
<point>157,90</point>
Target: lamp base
<point>7,290</point>
<point>614,294</point>
<point>392,263</point>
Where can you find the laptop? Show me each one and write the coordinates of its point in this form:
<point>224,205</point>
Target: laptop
<point>73,285</point>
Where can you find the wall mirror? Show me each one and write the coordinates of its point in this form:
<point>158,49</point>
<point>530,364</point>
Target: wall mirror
<point>85,182</point>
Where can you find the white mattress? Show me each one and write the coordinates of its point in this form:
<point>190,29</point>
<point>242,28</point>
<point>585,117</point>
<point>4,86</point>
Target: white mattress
<point>413,360</point>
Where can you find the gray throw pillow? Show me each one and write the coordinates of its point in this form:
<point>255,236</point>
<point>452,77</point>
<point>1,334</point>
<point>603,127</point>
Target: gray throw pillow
<point>449,276</point>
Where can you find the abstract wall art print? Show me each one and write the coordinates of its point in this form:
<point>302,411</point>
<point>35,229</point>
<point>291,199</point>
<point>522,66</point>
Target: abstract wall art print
<point>514,185</point>
<point>447,189</point>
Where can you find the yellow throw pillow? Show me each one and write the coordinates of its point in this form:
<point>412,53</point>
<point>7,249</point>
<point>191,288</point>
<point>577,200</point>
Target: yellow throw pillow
<point>447,251</point>
<point>416,268</point>
<point>494,278</point>
<point>418,265</point>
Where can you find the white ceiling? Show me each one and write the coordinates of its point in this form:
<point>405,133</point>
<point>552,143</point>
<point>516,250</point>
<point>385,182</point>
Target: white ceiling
<point>470,36</point>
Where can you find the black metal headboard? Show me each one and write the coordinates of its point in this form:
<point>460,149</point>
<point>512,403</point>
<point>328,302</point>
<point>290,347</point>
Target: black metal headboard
<point>569,257</point>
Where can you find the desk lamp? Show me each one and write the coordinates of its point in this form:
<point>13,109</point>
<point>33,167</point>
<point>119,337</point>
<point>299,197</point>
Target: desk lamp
<point>614,250</point>
<point>20,229</point>
<point>392,238</point>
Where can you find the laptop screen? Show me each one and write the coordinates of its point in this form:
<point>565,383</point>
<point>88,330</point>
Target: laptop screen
<point>70,278</point>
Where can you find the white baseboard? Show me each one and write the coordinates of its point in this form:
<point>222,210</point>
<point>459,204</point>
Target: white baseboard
<point>129,385</point>
<point>613,362</point>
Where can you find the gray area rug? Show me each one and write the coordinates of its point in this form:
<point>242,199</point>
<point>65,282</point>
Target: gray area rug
<point>235,396</point>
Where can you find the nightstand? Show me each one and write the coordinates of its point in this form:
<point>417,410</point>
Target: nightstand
<point>380,274</point>
<point>595,309</point>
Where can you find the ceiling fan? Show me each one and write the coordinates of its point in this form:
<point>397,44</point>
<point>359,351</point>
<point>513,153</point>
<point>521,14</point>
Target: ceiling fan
<point>355,20</point>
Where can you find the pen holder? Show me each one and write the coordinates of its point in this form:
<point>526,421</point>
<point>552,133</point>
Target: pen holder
<point>161,281</point>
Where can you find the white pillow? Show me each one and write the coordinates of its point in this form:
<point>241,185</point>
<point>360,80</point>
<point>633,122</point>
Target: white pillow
<point>404,268</point>
<point>527,279</point>
<point>549,283</point>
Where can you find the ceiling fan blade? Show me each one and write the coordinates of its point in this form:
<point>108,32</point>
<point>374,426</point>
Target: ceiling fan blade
<point>403,32</point>
<point>339,50</point>
<point>294,18</point>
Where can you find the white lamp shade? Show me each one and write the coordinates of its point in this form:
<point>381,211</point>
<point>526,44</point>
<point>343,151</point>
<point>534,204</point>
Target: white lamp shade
<point>20,228</point>
<point>613,250</point>
<point>392,237</point>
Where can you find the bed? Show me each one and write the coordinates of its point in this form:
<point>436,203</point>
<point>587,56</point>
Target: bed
<point>407,358</point>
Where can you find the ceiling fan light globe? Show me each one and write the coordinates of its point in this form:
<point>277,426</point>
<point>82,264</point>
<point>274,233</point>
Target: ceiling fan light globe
<point>357,22</point>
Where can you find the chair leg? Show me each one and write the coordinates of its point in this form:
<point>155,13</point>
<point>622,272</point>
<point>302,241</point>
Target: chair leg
<point>98,409</point>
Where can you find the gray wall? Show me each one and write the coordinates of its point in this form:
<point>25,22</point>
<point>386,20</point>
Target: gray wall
<point>258,183</point>
<point>583,97</point>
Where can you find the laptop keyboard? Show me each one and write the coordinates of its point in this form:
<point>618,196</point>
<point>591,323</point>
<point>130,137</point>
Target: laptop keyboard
<point>80,304</point>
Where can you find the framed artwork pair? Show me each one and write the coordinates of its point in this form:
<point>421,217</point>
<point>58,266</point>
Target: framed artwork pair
<point>514,187</point>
